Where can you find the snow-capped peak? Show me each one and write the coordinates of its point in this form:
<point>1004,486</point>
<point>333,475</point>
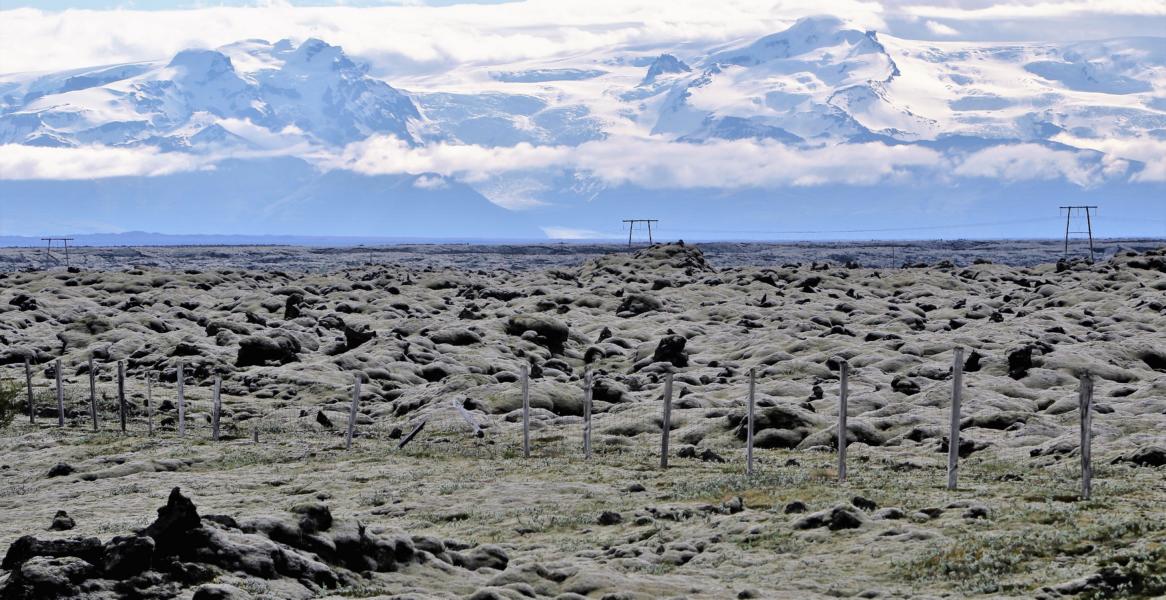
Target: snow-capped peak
<point>665,63</point>
<point>804,37</point>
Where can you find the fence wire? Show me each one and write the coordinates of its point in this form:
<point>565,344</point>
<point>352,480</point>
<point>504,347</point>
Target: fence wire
<point>710,427</point>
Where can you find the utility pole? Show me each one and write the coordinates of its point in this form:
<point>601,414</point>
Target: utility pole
<point>49,248</point>
<point>632,225</point>
<point>1088,210</point>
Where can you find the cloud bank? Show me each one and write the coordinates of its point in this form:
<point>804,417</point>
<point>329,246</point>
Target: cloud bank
<point>732,164</point>
<point>34,40</point>
<point>646,163</point>
<point>20,162</point>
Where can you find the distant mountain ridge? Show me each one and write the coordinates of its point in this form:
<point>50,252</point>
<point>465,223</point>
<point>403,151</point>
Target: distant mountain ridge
<point>815,82</point>
<point>310,110</point>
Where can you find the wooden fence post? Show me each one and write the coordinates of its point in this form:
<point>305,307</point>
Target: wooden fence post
<point>844,382</point>
<point>149,404</point>
<point>1086,408</point>
<point>121,393</point>
<point>28,383</point>
<point>93,392</point>
<point>525,411</point>
<point>60,397</point>
<point>181,403</point>
<point>749,424</point>
<point>667,421</point>
<point>953,440</point>
<point>352,411</point>
<point>412,434</point>
<point>587,382</point>
<point>255,434</point>
<point>217,409</point>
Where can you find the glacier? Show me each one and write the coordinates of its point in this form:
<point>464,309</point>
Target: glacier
<point>1096,107</point>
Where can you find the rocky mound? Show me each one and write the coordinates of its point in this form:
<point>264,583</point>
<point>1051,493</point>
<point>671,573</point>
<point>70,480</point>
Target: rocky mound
<point>663,259</point>
<point>181,549</point>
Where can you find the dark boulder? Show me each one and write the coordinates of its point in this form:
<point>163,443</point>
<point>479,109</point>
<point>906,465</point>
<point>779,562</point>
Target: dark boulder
<point>1019,362</point>
<point>220,591</point>
<point>609,517</point>
<point>172,530</point>
<point>637,304</point>
<point>905,386</point>
<point>355,338</point>
<point>485,556</point>
<point>551,333</point>
<point>258,350</point>
<point>456,336</point>
<point>779,426</point>
<point>314,517</point>
<point>60,470</point>
<point>24,548</point>
<point>47,577</point>
<point>62,522</point>
<point>1150,456</point>
<point>23,302</point>
<point>670,349</point>
<point>128,555</point>
<point>292,306</point>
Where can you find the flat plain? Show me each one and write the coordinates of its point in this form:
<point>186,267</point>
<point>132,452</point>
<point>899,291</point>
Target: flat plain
<point>440,335</point>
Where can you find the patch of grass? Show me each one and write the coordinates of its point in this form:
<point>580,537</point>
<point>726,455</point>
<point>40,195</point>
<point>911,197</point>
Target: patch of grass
<point>982,561</point>
<point>1136,572</point>
<point>775,539</point>
<point>10,404</point>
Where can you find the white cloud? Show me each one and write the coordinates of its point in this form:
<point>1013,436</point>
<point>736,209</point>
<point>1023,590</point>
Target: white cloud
<point>1019,9</point>
<point>397,39</point>
<point>517,177</point>
<point>940,29</point>
<point>428,182</point>
<point>1021,162</point>
<point>387,154</point>
<point>34,40</point>
<point>92,162</point>
<point>1149,151</point>
<point>650,163</point>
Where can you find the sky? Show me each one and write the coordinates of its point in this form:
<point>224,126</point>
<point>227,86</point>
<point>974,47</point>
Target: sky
<point>423,41</point>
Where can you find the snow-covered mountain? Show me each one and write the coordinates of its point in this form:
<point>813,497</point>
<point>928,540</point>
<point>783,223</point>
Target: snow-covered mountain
<point>816,82</point>
<point>816,88</point>
<point>248,94</point>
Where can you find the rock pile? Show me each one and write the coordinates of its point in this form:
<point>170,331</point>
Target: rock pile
<point>182,549</point>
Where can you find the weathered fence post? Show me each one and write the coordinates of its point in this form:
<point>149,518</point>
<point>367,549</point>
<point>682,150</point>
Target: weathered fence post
<point>255,434</point>
<point>217,409</point>
<point>352,412</point>
<point>953,440</point>
<point>587,380</point>
<point>525,411</point>
<point>667,421</point>
<point>844,382</point>
<point>412,434</point>
<point>93,392</point>
<point>28,382</point>
<point>60,396</point>
<point>749,424</point>
<point>149,404</point>
<point>121,393</point>
<point>1086,400</point>
<point>181,403</point>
